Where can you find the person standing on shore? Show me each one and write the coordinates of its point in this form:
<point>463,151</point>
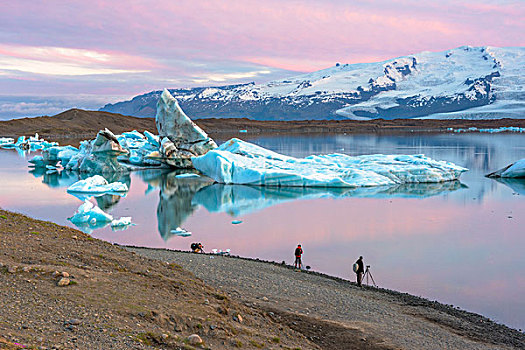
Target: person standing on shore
<point>298,253</point>
<point>360,270</point>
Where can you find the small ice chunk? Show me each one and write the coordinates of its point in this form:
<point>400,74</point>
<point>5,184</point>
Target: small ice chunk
<point>133,135</point>
<point>88,213</point>
<point>181,232</point>
<point>243,131</point>
<point>187,175</point>
<point>97,184</point>
<point>237,222</point>
<point>220,252</point>
<point>123,221</point>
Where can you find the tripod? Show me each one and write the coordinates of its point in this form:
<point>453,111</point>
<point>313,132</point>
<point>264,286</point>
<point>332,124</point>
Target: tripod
<point>368,274</point>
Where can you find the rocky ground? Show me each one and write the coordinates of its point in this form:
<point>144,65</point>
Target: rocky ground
<point>336,314</point>
<point>72,126</point>
<point>62,289</point>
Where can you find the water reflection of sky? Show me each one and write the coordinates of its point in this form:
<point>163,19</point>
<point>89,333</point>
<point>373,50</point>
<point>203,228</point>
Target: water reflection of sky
<point>460,243</point>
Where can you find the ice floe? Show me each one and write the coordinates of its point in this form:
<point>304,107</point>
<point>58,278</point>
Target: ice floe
<point>489,130</point>
<point>123,221</point>
<point>31,143</point>
<point>180,232</point>
<point>240,162</point>
<point>89,217</point>
<point>514,170</point>
<point>97,184</point>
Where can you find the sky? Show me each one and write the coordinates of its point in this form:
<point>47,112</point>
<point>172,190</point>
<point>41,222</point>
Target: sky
<point>56,55</point>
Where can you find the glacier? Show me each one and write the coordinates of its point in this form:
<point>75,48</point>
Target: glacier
<point>97,184</point>
<point>466,82</point>
<point>241,162</point>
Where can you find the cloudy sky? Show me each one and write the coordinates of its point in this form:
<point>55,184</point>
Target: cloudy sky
<point>55,55</point>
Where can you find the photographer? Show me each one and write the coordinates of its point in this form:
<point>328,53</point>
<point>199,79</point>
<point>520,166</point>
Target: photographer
<point>360,270</point>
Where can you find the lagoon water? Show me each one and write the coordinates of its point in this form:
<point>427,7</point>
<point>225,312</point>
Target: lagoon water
<point>460,243</point>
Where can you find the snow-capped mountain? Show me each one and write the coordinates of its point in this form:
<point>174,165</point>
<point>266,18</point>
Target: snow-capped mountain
<point>466,82</point>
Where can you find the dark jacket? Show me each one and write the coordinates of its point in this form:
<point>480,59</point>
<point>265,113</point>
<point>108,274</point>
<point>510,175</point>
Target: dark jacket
<point>361,268</point>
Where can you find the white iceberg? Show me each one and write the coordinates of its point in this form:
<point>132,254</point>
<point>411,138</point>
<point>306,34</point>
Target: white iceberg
<point>181,232</point>
<point>97,184</point>
<point>240,162</point>
<point>6,141</point>
<point>123,221</point>
<point>515,170</point>
<point>87,213</point>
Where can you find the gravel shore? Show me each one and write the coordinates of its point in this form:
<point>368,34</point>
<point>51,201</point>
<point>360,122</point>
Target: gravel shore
<point>326,308</point>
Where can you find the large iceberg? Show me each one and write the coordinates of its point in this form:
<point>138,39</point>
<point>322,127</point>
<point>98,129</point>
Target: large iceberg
<point>97,184</point>
<point>180,138</point>
<point>515,170</point>
<point>240,162</point>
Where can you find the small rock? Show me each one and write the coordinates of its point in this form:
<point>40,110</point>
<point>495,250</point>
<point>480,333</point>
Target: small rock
<point>63,282</point>
<point>194,339</point>
<point>26,269</point>
<point>164,336</point>
<point>271,314</point>
<point>212,327</point>
<point>237,318</point>
<point>12,269</point>
<point>73,321</point>
<point>74,237</point>
<point>65,274</point>
<point>265,299</point>
<point>206,302</point>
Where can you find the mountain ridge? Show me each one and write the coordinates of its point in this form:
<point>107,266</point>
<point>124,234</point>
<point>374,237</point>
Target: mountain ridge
<point>466,82</point>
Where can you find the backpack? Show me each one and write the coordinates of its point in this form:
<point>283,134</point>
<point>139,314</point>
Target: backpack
<point>355,267</point>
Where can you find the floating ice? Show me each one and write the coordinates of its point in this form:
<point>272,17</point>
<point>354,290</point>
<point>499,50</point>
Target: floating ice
<point>187,175</point>
<point>89,217</point>
<point>98,156</point>
<point>490,130</point>
<point>243,131</point>
<point>220,252</point>
<point>515,170</point>
<point>240,162</point>
<point>32,143</point>
<point>6,141</point>
<point>97,184</point>
<point>180,138</point>
<point>181,232</point>
<point>123,221</point>
<point>236,222</point>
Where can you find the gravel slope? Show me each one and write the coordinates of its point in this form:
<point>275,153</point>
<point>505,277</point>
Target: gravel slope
<point>388,319</point>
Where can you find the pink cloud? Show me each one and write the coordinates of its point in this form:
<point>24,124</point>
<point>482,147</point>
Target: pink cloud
<point>184,39</point>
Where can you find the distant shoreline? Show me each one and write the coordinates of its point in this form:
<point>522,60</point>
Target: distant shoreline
<point>75,125</point>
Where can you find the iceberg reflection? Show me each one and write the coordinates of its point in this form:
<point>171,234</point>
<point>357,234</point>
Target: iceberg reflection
<point>238,200</point>
<point>516,185</point>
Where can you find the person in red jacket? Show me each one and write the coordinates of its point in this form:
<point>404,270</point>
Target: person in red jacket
<point>298,253</point>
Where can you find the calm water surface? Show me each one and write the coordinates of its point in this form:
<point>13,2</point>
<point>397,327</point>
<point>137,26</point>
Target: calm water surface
<point>460,243</point>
